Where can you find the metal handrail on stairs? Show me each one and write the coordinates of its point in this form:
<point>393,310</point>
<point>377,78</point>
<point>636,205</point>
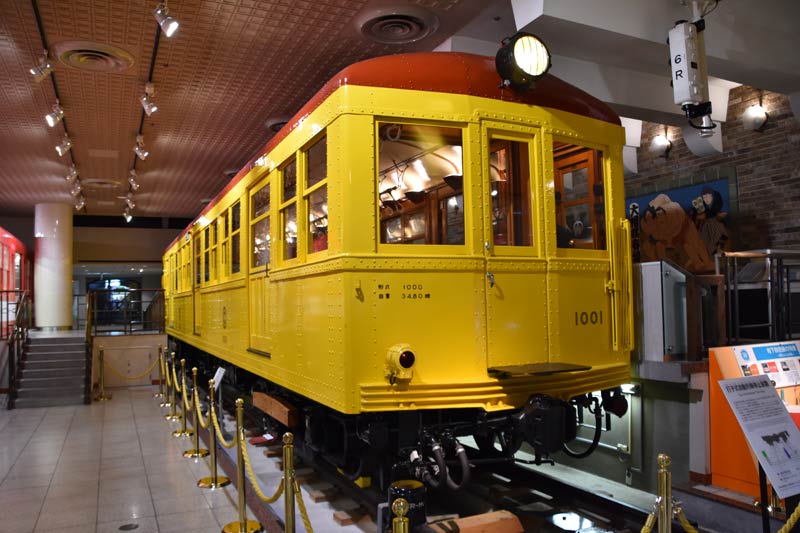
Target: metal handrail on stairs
<point>16,342</point>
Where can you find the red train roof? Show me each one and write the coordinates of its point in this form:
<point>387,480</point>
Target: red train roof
<point>446,72</point>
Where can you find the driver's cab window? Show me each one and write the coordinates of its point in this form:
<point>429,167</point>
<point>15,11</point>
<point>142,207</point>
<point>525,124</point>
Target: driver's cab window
<point>579,196</point>
<point>420,184</point>
<point>510,179</point>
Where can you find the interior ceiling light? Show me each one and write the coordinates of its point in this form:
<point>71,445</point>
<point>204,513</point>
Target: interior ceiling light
<point>73,173</point>
<point>168,24</point>
<point>129,201</point>
<point>521,60</point>
<point>139,149</point>
<point>755,118</point>
<point>147,104</point>
<point>40,71</point>
<point>64,147</point>
<point>132,180</point>
<point>54,117</point>
<point>127,215</point>
<point>76,188</point>
<point>660,146</point>
<point>80,202</point>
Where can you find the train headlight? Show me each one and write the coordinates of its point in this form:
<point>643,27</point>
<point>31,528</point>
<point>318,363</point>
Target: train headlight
<point>400,361</point>
<point>522,60</point>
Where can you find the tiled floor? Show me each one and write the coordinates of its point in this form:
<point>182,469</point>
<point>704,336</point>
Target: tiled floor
<point>84,469</point>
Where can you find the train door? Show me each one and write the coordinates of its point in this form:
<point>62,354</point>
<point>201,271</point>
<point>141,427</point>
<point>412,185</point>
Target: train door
<point>515,277</point>
<point>258,294</point>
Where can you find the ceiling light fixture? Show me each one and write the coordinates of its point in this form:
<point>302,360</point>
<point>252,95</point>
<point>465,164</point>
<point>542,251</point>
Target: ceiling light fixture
<point>755,118</point>
<point>40,71</point>
<point>132,180</point>
<point>76,188</point>
<point>129,201</point>
<point>80,202</point>
<point>147,104</point>
<point>64,147</point>
<point>73,173</point>
<point>522,59</point>
<point>56,116</point>
<point>139,149</point>
<point>168,24</point>
<point>127,215</point>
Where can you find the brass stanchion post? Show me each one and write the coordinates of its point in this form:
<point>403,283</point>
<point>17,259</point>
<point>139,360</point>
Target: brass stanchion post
<point>101,357</point>
<point>243,525</point>
<point>664,494</point>
<point>165,401</point>
<point>400,522</point>
<point>288,481</point>
<point>215,481</point>
<point>183,432</point>
<point>172,414</point>
<point>160,393</point>
<point>196,451</point>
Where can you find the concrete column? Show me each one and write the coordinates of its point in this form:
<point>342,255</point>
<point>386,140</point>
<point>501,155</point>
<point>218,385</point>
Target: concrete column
<point>52,266</point>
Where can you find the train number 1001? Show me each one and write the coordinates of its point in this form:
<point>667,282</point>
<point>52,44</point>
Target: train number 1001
<point>584,318</point>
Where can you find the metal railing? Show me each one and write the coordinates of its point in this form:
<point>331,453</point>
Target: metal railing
<point>19,323</point>
<point>125,312</point>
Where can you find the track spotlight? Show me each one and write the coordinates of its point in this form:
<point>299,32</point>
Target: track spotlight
<point>40,71</point>
<point>147,104</point>
<point>73,173</point>
<point>80,202</point>
<point>660,146</point>
<point>127,215</point>
<point>64,147</point>
<point>139,149</point>
<point>132,180</point>
<point>76,188</point>
<point>54,117</point>
<point>168,24</point>
<point>129,201</point>
<point>521,60</point>
<point>755,118</point>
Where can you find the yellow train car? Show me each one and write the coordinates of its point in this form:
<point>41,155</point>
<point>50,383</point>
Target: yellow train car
<point>421,253</point>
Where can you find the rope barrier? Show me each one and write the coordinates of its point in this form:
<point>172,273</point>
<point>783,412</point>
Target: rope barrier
<point>649,523</point>
<point>254,480</point>
<point>175,380</point>
<point>137,376</point>
<point>167,373</point>
<point>787,527</point>
<point>301,504</point>
<point>186,405</point>
<point>202,423</point>
<point>687,527</point>
<point>221,439</point>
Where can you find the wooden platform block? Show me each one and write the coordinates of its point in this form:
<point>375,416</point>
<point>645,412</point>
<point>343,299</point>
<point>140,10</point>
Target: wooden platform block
<point>324,492</point>
<point>350,516</point>
<point>277,408</point>
<point>273,451</point>
<point>496,522</point>
<point>305,475</point>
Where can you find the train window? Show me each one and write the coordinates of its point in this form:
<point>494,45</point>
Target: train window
<point>224,246</point>
<point>207,254</point>
<point>198,254</point>
<point>289,219</point>
<point>317,195</point>
<point>289,181</point>
<point>420,184</point>
<point>260,226</point>
<point>580,201</point>
<point>509,175</point>
<point>236,262</point>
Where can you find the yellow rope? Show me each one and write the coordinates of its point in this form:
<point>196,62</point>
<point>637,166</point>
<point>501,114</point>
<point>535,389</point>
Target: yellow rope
<point>254,480</point>
<point>792,521</point>
<point>166,373</point>
<point>175,380</point>
<point>220,438</point>
<point>301,504</point>
<point>199,416</point>
<point>684,521</point>
<point>137,376</point>
<point>651,521</point>
<point>186,405</point>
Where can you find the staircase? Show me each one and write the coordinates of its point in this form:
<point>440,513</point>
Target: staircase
<point>52,372</point>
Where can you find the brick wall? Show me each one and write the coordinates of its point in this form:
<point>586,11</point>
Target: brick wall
<point>763,168</point>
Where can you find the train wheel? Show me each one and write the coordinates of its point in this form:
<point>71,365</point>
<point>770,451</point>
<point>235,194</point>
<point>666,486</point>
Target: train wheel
<point>510,443</point>
<point>485,442</point>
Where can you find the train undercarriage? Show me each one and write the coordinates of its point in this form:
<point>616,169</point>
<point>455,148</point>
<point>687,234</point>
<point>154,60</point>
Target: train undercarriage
<point>423,444</point>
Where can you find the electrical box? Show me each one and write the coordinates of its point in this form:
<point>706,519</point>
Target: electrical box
<point>660,308</point>
<point>689,85</point>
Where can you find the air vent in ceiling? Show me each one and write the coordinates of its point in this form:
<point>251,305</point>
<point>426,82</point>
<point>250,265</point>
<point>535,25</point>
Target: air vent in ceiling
<point>92,57</point>
<point>397,24</point>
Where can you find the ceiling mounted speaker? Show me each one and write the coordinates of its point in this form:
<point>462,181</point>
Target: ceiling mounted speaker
<point>397,23</point>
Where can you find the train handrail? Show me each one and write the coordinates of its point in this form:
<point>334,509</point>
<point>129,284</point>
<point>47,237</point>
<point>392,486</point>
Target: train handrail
<point>16,342</point>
